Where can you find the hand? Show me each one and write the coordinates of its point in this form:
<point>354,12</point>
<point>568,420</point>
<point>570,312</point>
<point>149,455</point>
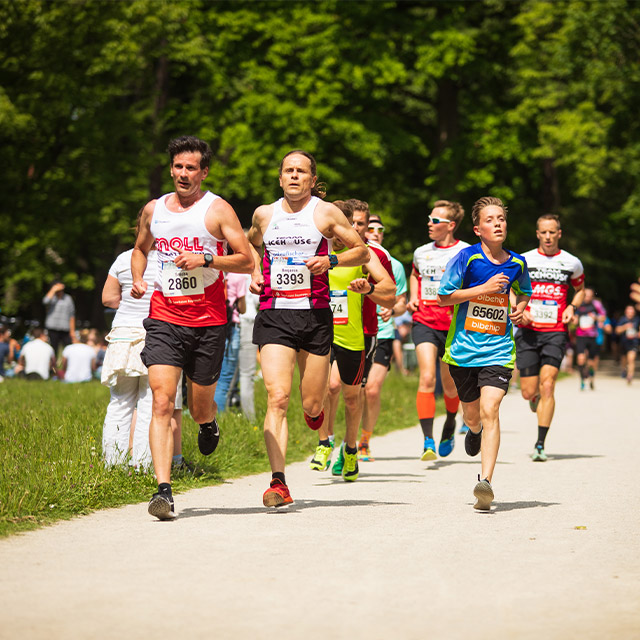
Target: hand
<point>496,284</point>
<point>527,318</point>
<point>187,260</point>
<point>516,315</point>
<point>413,305</point>
<point>318,264</point>
<point>567,314</point>
<point>360,285</point>
<point>139,289</point>
<point>385,314</point>
<point>59,286</point>
<point>257,283</point>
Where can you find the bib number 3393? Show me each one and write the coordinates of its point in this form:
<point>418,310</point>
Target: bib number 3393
<point>180,286</point>
<point>290,278</point>
<point>488,314</point>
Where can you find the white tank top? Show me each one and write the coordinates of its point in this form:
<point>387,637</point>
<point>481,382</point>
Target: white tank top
<point>291,238</point>
<point>192,298</point>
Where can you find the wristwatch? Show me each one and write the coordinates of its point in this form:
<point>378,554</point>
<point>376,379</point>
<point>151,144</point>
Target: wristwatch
<point>208,260</point>
<point>333,260</point>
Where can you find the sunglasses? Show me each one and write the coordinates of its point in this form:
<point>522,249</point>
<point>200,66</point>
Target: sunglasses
<point>375,229</point>
<point>434,220</point>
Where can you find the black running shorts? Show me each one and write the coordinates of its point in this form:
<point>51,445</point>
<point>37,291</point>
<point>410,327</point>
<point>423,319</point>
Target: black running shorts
<point>308,330</point>
<point>350,364</point>
<point>196,350</point>
<point>370,347</point>
<point>421,333</point>
<point>583,343</point>
<point>537,348</point>
<point>627,345</point>
<point>384,352</point>
<point>469,380</point>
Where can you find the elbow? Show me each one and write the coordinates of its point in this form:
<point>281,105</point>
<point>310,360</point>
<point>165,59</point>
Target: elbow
<point>364,255</point>
<point>248,265</point>
<point>442,302</point>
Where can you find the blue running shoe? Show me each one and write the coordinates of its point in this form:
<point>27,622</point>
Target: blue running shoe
<point>463,428</point>
<point>429,450</point>
<point>446,447</point>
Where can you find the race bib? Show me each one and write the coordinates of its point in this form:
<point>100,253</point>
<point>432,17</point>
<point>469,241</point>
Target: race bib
<point>544,312</point>
<point>290,278</point>
<point>340,306</point>
<point>631,333</point>
<point>586,322</point>
<point>429,291</point>
<point>181,286</point>
<point>488,314</point>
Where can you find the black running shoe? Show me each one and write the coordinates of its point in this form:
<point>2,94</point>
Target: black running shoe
<point>472,442</point>
<point>161,506</point>
<point>208,437</point>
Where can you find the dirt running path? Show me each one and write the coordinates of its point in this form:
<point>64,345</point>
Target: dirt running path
<point>400,553</point>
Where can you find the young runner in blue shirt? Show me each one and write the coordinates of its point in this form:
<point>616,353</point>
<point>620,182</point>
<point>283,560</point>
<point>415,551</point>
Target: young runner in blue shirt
<point>480,349</point>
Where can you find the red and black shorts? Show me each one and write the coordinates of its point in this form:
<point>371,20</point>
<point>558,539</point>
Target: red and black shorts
<point>351,364</point>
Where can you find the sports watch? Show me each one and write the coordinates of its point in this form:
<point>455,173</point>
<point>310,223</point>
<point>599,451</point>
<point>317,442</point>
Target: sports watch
<point>333,260</point>
<point>208,260</point>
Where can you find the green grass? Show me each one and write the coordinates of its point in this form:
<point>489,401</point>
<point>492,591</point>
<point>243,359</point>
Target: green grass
<point>50,449</point>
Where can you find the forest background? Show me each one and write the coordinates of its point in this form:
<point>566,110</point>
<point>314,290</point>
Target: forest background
<point>401,103</point>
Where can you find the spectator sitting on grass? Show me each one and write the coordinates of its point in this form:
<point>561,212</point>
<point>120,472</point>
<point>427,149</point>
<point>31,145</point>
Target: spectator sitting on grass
<point>37,358</point>
<point>79,360</point>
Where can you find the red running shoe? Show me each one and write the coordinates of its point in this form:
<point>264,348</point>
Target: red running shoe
<point>277,494</point>
<point>314,423</point>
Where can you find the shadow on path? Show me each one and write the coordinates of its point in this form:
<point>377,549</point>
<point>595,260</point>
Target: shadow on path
<point>514,506</point>
<point>298,505</point>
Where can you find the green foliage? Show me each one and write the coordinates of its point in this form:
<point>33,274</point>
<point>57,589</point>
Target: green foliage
<point>401,103</point>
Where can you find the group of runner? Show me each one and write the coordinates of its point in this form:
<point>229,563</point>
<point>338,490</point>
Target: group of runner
<point>322,278</point>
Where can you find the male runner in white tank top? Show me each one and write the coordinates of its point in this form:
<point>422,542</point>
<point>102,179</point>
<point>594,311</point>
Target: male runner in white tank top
<point>186,326</point>
<point>295,322</point>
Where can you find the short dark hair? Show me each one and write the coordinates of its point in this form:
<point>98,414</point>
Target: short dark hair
<point>37,332</point>
<point>345,207</point>
<point>487,201</point>
<point>320,188</point>
<point>190,144</point>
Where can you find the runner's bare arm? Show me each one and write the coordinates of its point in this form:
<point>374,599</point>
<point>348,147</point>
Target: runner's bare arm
<point>144,242</point>
<point>384,293</point>
<point>495,284</point>
<point>332,223</point>
<point>576,301</point>
<point>111,293</point>
<point>261,217</point>
<point>414,298</point>
<point>222,222</point>
<point>635,293</point>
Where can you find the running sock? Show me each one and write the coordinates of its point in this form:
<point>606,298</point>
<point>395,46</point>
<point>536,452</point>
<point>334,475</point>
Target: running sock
<point>364,439</point>
<point>177,459</point>
<point>314,423</point>
<point>449,426</point>
<point>332,440</point>
<point>324,443</point>
<point>277,475</point>
<point>350,450</point>
<point>583,372</point>
<point>426,406</point>
<point>451,404</point>
<point>542,434</point>
<point>164,488</point>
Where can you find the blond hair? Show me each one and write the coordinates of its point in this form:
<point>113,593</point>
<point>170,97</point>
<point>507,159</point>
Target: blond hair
<point>487,201</point>
<point>454,210</point>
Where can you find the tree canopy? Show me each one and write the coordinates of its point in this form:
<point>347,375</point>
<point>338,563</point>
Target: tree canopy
<point>401,103</point>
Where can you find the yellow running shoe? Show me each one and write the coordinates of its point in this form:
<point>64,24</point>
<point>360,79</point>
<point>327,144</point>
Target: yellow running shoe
<point>321,458</point>
<point>350,470</point>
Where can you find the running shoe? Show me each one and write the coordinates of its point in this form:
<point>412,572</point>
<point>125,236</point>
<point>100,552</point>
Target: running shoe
<point>538,454</point>
<point>208,437</point>
<point>364,453</point>
<point>446,446</point>
<point>533,403</point>
<point>429,452</point>
<point>483,494</point>
<point>314,423</point>
<point>581,384</point>
<point>338,465</point>
<point>277,495</point>
<point>463,428</point>
<point>161,506</point>
<point>472,442</point>
<point>321,458</point>
<point>184,466</point>
<point>350,470</point>
<point>592,384</point>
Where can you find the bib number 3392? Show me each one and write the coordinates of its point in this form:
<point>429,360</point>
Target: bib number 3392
<point>180,286</point>
<point>290,278</point>
<point>488,314</point>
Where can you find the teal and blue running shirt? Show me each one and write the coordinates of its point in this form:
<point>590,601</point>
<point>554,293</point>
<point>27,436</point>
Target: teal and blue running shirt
<point>481,333</point>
